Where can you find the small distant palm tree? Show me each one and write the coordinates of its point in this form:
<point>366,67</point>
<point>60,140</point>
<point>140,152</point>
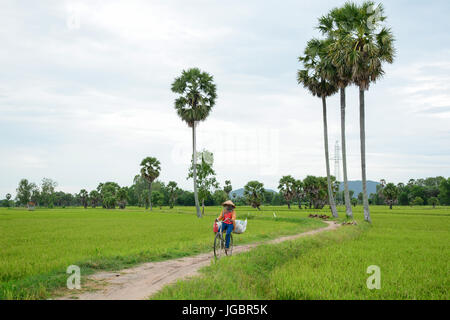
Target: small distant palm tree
<point>227,188</point>
<point>364,45</point>
<point>287,188</point>
<point>254,193</point>
<point>311,77</point>
<point>433,201</point>
<point>197,96</point>
<point>390,193</point>
<point>84,196</point>
<point>299,192</point>
<point>172,188</point>
<point>150,169</point>
<point>8,198</point>
<point>94,196</point>
<point>122,197</point>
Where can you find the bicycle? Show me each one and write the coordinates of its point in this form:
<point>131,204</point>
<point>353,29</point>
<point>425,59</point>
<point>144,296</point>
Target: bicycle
<point>219,245</point>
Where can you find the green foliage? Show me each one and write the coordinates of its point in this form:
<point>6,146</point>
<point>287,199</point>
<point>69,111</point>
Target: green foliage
<point>433,201</point>
<point>444,192</point>
<point>314,65</point>
<point>7,202</point>
<point>299,192</point>
<point>84,196</point>
<point>122,197</point>
<point>158,198</point>
<point>94,197</point>
<point>254,193</point>
<point>206,180</point>
<point>140,192</point>
<point>359,43</point>
<point>219,196</point>
<point>390,193</point>
<point>423,188</point>
<point>227,188</point>
<point>186,198</point>
<point>108,192</point>
<point>316,189</point>
<point>24,192</point>
<point>150,169</point>
<point>48,191</point>
<point>197,95</point>
<point>403,199</point>
<point>418,201</point>
<point>287,187</point>
<point>174,192</point>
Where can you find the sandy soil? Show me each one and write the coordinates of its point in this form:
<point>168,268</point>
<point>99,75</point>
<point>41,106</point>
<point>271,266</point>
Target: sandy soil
<point>144,280</point>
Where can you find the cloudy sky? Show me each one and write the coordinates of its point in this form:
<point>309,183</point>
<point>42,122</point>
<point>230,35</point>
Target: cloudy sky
<point>85,92</point>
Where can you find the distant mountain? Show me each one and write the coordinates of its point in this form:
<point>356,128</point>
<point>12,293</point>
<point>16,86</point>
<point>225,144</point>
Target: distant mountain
<point>240,192</point>
<point>356,186</point>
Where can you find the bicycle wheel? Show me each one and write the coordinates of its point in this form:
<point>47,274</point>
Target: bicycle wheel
<point>230,248</point>
<point>219,245</point>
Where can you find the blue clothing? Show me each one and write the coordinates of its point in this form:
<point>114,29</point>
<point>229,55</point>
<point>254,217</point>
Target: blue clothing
<point>228,228</point>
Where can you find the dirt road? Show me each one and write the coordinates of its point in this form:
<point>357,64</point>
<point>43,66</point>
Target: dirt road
<point>142,281</point>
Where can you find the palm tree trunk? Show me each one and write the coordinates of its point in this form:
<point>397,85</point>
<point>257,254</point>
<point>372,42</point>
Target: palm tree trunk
<point>194,154</point>
<point>150,195</point>
<point>362,133</point>
<point>348,205</point>
<point>327,159</point>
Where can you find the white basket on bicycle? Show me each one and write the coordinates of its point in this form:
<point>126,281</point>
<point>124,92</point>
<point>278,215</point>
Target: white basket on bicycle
<point>241,226</point>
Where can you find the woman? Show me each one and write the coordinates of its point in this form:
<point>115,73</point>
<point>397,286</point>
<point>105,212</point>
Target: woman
<point>228,216</point>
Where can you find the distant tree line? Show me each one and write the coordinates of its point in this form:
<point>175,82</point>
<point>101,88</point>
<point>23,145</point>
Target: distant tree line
<point>107,195</point>
<point>311,192</point>
<point>429,191</point>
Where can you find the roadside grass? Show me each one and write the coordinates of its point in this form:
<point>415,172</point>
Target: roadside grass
<point>37,247</point>
<point>410,245</point>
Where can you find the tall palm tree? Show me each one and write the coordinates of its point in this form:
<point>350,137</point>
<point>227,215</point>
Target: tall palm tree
<point>197,96</point>
<point>150,169</point>
<point>311,77</point>
<point>341,76</point>
<point>365,44</point>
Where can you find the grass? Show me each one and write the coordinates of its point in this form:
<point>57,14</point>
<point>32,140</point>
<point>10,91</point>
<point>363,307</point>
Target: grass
<point>410,245</point>
<point>37,247</point>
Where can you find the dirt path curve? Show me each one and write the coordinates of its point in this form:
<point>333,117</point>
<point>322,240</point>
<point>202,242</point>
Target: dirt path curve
<point>142,281</point>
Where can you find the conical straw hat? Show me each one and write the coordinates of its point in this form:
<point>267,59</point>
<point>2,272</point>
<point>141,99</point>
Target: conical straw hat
<point>229,203</point>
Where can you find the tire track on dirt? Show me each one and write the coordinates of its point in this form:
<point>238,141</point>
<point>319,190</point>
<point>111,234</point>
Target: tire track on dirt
<point>146,279</point>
